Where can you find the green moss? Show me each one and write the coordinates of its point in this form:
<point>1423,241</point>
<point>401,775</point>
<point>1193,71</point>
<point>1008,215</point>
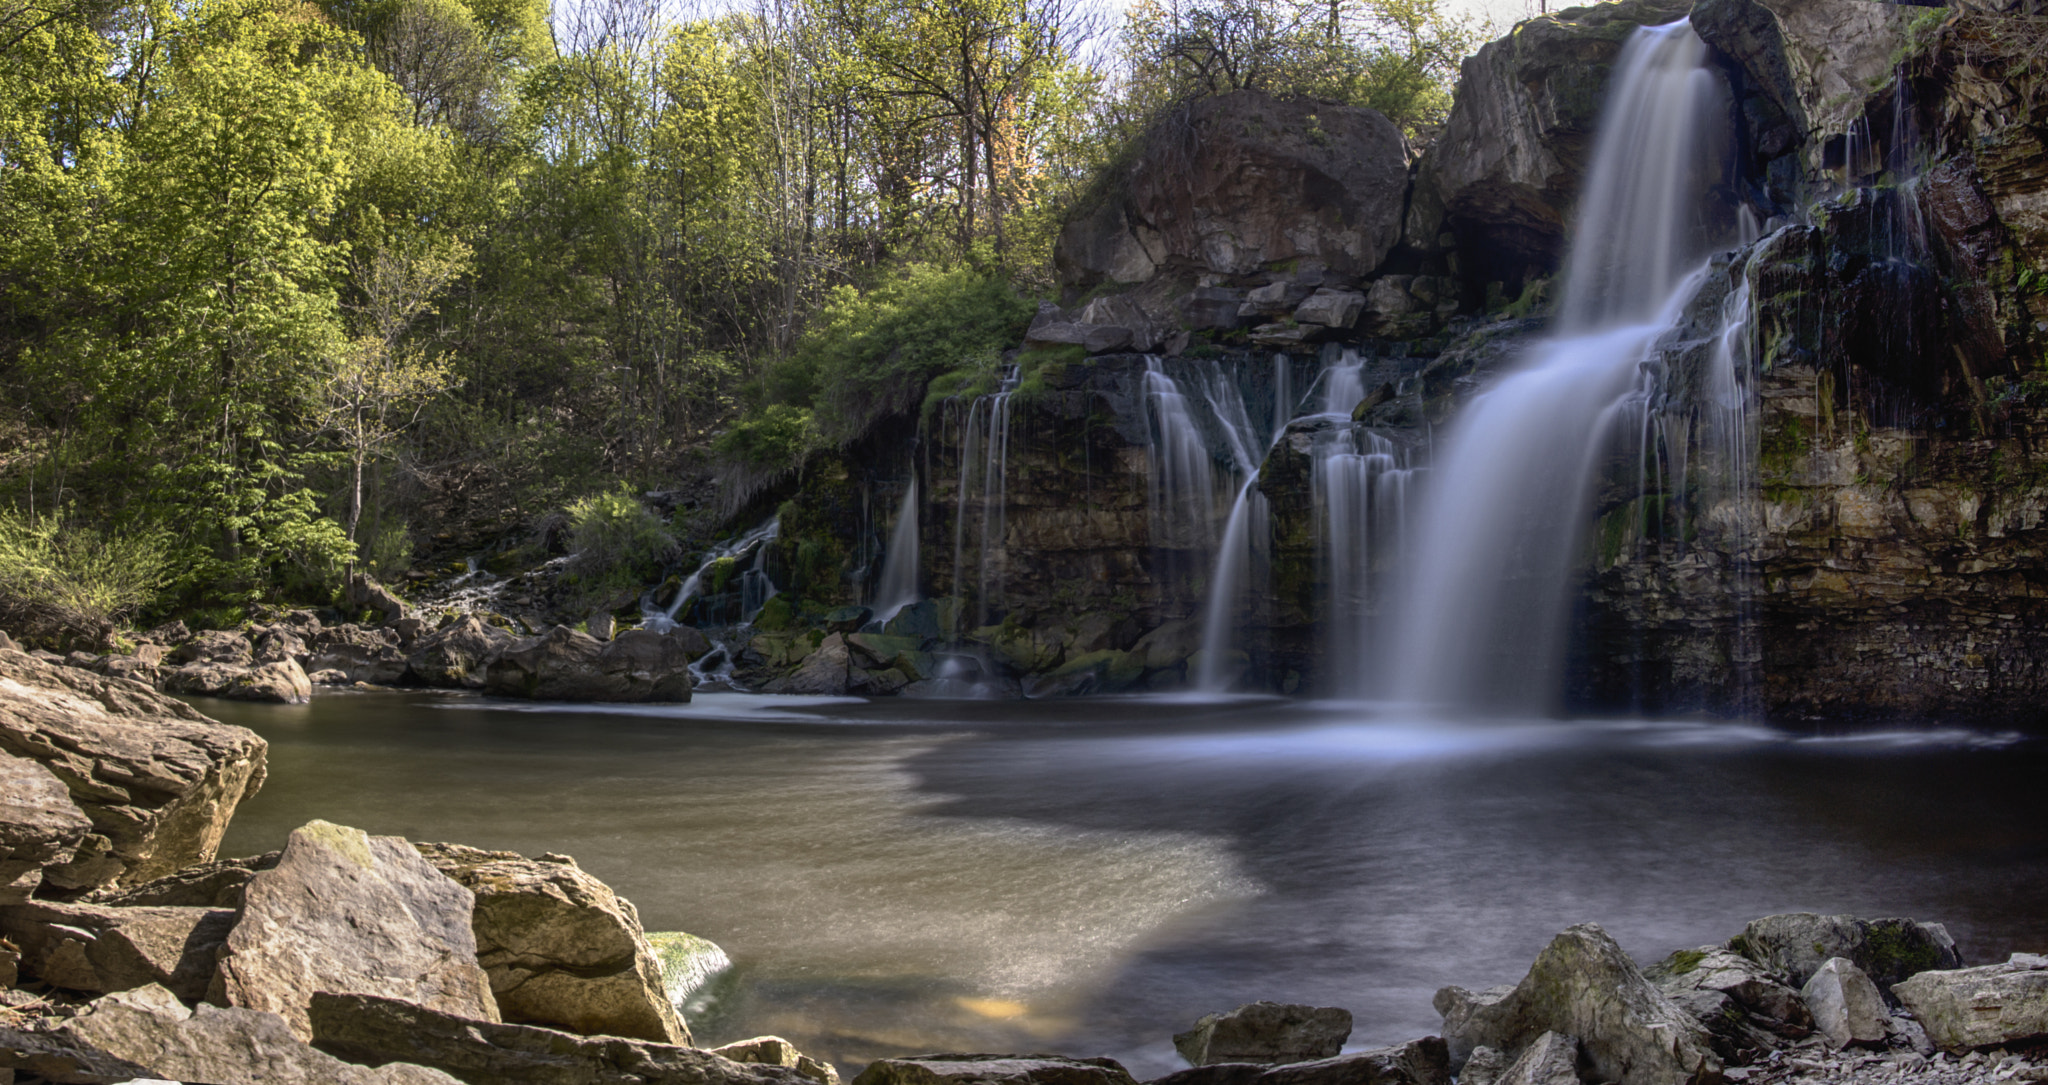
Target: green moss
<point>1684,961</point>
<point>776,615</point>
<point>353,844</point>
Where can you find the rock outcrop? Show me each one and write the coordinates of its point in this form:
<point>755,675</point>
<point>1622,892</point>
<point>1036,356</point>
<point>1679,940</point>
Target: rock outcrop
<point>1243,182</point>
<point>1796,945</point>
<point>1266,1032</point>
<point>386,922</point>
<point>95,949</point>
<point>157,779</point>
<point>1419,1062</point>
<point>458,655</point>
<point>1845,1005</point>
<point>565,665</point>
<point>39,826</point>
<point>561,948</point>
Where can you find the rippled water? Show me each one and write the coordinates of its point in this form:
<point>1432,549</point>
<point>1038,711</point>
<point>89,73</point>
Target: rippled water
<point>1090,876</point>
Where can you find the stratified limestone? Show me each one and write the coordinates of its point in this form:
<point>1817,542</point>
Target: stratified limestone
<point>1981,1007</point>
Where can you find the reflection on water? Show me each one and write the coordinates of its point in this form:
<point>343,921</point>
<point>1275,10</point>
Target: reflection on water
<point>1090,876</point>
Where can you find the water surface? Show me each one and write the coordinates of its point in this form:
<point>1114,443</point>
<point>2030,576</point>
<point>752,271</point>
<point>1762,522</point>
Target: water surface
<point>1090,876</point>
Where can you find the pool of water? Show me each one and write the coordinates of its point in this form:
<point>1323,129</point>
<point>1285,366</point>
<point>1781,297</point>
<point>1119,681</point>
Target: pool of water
<point>1090,876</point>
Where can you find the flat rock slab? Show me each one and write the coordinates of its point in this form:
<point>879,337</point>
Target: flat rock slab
<point>97,949</point>
<point>1583,985</point>
<point>1981,1007</point>
<point>561,948</point>
<point>148,1033</point>
<point>369,1029</point>
<point>776,1051</point>
<point>1266,1032</point>
<point>993,1070</point>
<point>1418,1062</point>
<point>346,911</point>
<point>157,779</point>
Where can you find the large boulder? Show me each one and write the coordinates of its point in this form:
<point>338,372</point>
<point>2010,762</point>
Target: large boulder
<point>825,671</point>
<point>1504,173</point>
<point>1583,985</point>
<point>1551,1060</point>
<point>371,1029</point>
<point>565,665</point>
<point>1986,1006</point>
<point>1418,1062</point>
<point>1242,182</point>
<point>993,1070</point>
<point>97,949</point>
<point>459,654</point>
<point>157,779</point>
<point>1266,1032</point>
<point>280,682</point>
<point>346,911</point>
<point>1735,999</point>
<point>1796,944</point>
<point>560,947</point>
<point>148,1033</point>
<point>776,1051</point>
<point>365,655</point>
<point>39,826</point>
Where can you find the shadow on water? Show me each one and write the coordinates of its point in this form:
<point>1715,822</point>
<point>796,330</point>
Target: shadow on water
<point>1089,876</point>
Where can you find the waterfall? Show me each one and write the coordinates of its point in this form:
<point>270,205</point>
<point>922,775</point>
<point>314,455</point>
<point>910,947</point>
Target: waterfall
<point>985,444</point>
<point>899,570</point>
<point>1480,619</point>
<point>755,587</point>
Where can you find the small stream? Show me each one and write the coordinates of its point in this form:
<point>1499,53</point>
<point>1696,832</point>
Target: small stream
<point>1090,876</point>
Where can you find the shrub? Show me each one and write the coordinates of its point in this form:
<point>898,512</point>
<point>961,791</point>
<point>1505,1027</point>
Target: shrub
<point>61,580</point>
<point>617,540</point>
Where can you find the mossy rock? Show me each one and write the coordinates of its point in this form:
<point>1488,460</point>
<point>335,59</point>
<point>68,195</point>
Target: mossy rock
<point>691,968</point>
<point>776,615</point>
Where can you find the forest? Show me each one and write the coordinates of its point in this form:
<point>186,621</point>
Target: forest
<point>290,288</point>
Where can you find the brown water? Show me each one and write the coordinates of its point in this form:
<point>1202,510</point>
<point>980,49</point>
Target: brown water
<point>1090,876</point>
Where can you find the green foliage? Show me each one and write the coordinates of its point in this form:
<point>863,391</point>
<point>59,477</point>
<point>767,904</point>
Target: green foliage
<point>61,580</point>
<point>776,435</point>
<point>617,540</point>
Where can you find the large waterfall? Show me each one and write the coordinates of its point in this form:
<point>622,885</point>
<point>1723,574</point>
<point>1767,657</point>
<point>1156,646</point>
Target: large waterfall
<point>1481,612</point>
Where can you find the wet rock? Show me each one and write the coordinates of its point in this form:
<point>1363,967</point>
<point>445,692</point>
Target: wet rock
<point>1240,182</point>
<point>776,1051</point>
<point>1552,1059</point>
<point>39,826</point>
<point>330,678</point>
<point>561,949</point>
<point>823,672</point>
<point>157,779</point>
<point>1795,945</point>
<point>601,624</point>
<point>365,655</point>
<point>565,665</point>
<point>381,920</point>
<point>847,619</point>
<point>1169,645</point>
<point>1484,1066</point>
<point>1331,308</point>
<point>95,948</point>
<point>688,964</point>
<point>1583,985</point>
<point>372,1029</point>
<point>215,646</point>
<point>1418,1062</point>
<point>1981,1007</point>
<point>993,1070</point>
<point>458,655</point>
<point>1105,671</point>
<point>281,682</point>
<point>1845,1005</point>
<point>147,1033</point>
<point>1265,1032</point>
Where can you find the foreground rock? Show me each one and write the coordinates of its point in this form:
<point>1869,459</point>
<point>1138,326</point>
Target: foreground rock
<point>1744,1009</point>
<point>776,1051</point>
<point>97,949</point>
<point>39,826</point>
<point>458,655</point>
<point>1419,1062</point>
<point>377,1030</point>
<point>561,948</point>
<point>281,682</point>
<point>1981,1007</point>
<point>1796,944</point>
<point>993,1070</point>
<point>346,911</point>
<point>1846,1006</point>
<point>148,1033</point>
<point>157,779</point>
<point>1583,985</point>
<point>565,665</point>
<point>1265,1032</point>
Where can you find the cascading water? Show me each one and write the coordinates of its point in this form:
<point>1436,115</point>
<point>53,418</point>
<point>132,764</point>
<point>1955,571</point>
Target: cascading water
<point>755,587</point>
<point>898,588</point>
<point>985,421</point>
<point>1480,617</point>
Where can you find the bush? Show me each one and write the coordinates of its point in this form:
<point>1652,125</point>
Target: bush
<point>62,581</point>
<point>617,540</point>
